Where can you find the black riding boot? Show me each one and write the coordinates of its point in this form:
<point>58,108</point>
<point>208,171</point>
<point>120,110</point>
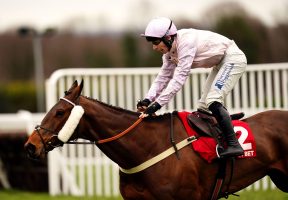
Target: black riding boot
<point>223,118</point>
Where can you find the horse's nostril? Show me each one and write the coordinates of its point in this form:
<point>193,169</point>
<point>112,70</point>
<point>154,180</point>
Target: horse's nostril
<point>30,148</point>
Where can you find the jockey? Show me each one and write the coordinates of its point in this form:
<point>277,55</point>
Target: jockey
<point>187,49</point>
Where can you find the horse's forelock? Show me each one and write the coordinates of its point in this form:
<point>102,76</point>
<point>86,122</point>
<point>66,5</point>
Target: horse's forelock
<point>74,87</point>
<point>67,92</point>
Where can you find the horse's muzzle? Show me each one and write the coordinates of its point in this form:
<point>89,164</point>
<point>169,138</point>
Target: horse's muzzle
<point>31,150</point>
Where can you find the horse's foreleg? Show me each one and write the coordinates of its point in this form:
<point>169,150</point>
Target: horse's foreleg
<point>279,175</point>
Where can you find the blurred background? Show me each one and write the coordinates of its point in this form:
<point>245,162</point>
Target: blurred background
<point>97,34</point>
<point>38,37</point>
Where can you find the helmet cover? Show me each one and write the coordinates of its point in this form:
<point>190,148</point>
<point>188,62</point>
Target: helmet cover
<point>160,27</point>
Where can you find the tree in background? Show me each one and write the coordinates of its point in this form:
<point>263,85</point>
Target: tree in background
<point>278,40</point>
<point>131,55</point>
<point>16,59</point>
<point>250,34</point>
<point>260,43</point>
<point>246,38</point>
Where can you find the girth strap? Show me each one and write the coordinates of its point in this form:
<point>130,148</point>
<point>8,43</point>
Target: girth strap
<point>172,137</point>
<point>220,178</point>
<point>159,157</point>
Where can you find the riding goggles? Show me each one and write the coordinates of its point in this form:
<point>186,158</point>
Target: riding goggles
<point>154,40</point>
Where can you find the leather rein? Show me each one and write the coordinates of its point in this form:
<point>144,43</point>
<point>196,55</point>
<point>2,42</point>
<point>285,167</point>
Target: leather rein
<point>120,134</point>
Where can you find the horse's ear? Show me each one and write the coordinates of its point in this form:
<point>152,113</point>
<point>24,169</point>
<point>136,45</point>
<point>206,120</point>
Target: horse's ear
<point>75,84</point>
<point>81,85</point>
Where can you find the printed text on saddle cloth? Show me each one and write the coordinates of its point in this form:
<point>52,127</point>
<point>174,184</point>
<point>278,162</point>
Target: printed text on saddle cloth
<point>245,139</point>
<point>206,146</point>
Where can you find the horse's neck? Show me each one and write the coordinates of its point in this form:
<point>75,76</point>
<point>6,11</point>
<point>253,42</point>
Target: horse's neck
<point>107,120</point>
<point>104,121</point>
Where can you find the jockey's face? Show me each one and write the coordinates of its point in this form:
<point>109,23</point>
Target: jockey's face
<point>161,47</point>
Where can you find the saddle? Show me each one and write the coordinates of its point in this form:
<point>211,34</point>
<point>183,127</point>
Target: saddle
<point>206,124</point>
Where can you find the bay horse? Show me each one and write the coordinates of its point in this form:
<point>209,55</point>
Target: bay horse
<point>186,177</point>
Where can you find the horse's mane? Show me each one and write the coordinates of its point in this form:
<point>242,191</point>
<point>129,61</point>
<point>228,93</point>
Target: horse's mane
<point>116,108</point>
<point>113,108</point>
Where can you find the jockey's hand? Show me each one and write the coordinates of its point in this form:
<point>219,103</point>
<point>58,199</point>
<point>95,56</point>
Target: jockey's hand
<point>150,110</point>
<point>142,105</point>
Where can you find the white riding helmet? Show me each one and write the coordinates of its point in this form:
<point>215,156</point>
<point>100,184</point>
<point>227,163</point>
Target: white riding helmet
<point>160,27</point>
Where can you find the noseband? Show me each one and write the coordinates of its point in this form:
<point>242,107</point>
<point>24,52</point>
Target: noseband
<point>50,145</point>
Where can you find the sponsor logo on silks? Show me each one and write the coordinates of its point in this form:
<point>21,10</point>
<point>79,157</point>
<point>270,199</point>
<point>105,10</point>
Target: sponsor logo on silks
<point>224,76</point>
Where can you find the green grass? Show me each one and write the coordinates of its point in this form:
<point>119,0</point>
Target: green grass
<point>260,195</point>
<point>247,195</point>
<point>22,195</point>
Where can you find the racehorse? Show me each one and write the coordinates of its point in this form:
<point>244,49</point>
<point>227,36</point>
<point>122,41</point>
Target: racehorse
<point>185,177</point>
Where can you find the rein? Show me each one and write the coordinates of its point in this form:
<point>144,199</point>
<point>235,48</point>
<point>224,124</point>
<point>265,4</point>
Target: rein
<point>120,134</point>
<point>107,139</point>
<point>117,136</point>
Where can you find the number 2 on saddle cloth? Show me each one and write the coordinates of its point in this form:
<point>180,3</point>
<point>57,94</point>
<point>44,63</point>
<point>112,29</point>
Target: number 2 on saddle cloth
<point>208,134</point>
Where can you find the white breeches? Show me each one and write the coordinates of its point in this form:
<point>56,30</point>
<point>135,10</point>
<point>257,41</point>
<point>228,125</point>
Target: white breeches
<point>223,77</point>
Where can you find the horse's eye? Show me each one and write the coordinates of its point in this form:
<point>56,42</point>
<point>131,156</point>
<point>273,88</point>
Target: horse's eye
<point>60,113</point>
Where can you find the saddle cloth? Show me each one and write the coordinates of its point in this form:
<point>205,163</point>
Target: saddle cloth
<point>206,145</point>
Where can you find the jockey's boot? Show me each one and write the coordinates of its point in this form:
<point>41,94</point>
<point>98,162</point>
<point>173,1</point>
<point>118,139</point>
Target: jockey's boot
<point>223,118</point>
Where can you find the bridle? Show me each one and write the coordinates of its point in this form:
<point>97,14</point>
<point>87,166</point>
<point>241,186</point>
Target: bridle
<point>54,141</point>
<point>49,145</point>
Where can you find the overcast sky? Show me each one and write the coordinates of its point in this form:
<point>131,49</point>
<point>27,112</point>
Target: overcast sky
<point>94,15</point>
